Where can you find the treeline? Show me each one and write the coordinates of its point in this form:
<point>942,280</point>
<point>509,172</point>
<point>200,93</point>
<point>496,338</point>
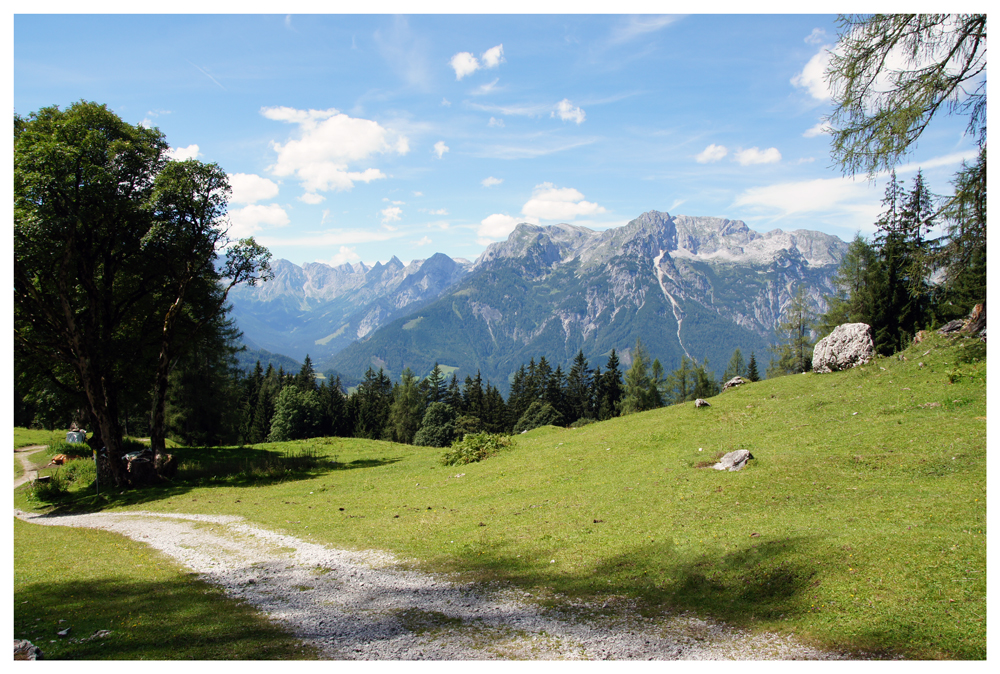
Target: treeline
<point>436,410</point>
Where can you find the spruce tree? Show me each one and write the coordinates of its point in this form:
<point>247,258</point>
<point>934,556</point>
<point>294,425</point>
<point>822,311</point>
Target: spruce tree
<point>752,374</point>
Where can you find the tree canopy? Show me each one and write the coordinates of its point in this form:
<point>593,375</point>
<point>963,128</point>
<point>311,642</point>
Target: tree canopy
<point>115,250</point>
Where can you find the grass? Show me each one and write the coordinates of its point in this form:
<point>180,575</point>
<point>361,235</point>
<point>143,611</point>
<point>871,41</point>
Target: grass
<point>152,608</point>
<point>24,437</point>
<point>860,524</point>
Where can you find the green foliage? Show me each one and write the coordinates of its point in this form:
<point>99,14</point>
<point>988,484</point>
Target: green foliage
<point>793,352</point>
<point>943,67</point>
<point>407,408</point>
<point>538,414</point>
<point>752,373</point>
<point>641,391</point>
<point>297,415</point>
<point>476,447</point>
<point>737,367</point>
<point>438,426</point>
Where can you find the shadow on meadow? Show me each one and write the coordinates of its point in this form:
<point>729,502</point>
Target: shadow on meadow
<point>147,621</point>
<point>206,467</point>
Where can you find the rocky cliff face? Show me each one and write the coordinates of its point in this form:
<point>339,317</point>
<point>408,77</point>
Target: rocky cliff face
<point>690,286</point>
<point>318,310</point>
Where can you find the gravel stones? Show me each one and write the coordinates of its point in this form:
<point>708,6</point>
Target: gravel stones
<point>368,606</point>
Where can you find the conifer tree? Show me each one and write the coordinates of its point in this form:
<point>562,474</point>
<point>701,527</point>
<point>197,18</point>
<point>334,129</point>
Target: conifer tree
<point>407,409</point>
<point>752,374</point>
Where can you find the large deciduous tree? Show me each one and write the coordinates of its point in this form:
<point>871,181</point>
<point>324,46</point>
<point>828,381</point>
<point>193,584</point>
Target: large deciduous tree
<point>114,258</point>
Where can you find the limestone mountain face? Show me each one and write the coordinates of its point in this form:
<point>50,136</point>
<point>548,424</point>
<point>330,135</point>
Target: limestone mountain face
<point>318,310</point>
<point>692,286</point>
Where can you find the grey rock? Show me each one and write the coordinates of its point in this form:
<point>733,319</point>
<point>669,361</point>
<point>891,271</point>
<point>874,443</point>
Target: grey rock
<point>733,383</point>
<point>849,345</point>
<point>701,403</point>
<point>25,650</point>
<point>734,460</point>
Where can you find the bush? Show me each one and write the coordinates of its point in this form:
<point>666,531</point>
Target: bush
<point>582,422</point>
<point>81,449</point>
<point>438,426</point>
<point>476,447</point>
<point>538,414</point>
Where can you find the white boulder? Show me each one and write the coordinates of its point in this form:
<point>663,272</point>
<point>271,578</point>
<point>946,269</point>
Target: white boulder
<point>847,346</point>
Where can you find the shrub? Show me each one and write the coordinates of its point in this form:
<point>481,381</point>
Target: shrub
<point>538,414</point>
<point>476,447</point>
<point>582,422</point>
<point>438,426</point>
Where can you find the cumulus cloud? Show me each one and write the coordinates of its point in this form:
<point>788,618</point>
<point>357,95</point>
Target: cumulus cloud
<point>567,112</point>
<point>498,226</point>
<point>711,153</point>
<point>251,219</point>
<point>422,242</point>
<point>440,148</point>
<point>813,76</point>
<point>496,122</point>
<point>817,36</point>
<point>818,130</point>
<point>549,202</point>
<point>464,63</point>
<point>182,153</point>
<point>249,188</point>
<point>312,199</point>
<point>391,214</point>
<point>491,181</point>
<point>345,256</point>
<point>493,57</point>
<point>755,155</point>
<point>328,143</point>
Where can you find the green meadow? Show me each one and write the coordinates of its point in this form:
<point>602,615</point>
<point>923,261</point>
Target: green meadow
<point>859,525</point>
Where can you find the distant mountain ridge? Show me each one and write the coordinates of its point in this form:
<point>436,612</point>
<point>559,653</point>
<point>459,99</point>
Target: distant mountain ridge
<point>695,286</point>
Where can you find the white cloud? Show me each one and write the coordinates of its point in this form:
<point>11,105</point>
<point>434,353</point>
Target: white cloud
<point>329,238</point>
<point>422,242</point>
<point>493,57</point>
<point>825,195</point>
<point>817,36</point>
<point>250,219</point>
<point>820,129</point>
<point>440,148</point>
<point>711,153</point>
<point>345,256</point>
<point>549,202</point>
<point>485,88</point>
<point>755,155</point>
<point>312,199</point>
<point>249,188</point>
<point>498,226</point>
<point>567,112</point>
<point>813,76</point>
<point>445,102</point>
<point>496,122</point>
<point>391,214</point>
<point>464,63</point>
<point>637,26</point>
<point>182,153</point>
<point>439,211</point>
<point>328,143</point>
<point>491,181</point>
<point>418,194</point>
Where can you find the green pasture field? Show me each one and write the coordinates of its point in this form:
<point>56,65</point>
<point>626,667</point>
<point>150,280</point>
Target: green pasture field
<point>860,525</point>
<point>153,609</point>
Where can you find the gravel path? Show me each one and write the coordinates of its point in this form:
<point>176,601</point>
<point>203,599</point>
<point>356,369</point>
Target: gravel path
<point>30,472</point>
<point>366,606</point>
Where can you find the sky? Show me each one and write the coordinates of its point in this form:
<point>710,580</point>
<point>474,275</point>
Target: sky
<point>358,137</point>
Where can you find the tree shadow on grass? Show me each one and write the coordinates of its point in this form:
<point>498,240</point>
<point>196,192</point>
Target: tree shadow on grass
<point>206,467</point>
<point>147,621</point>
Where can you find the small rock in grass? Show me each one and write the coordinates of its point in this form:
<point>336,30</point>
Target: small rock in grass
<point>734,460</point>
<point>701,403</point>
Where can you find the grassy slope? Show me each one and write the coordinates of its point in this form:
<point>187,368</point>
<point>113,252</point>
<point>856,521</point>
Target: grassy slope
<point>153,608</point>
<point>861,523</point>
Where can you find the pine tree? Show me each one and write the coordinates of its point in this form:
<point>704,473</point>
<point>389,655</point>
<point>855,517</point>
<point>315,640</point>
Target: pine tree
<point>752,374</point>
<point>407,409</point>
<point>637,383</point>
<point>305,380</point>
<point>436,385</point>
<point>579,385</point>
<point>793,352</point>
<point>736,367</point>
<point>611,389</point>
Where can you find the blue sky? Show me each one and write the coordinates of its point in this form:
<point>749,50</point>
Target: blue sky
<point>359,137</point>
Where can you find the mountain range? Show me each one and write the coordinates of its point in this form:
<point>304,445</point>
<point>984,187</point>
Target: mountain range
<point>694,286</point>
